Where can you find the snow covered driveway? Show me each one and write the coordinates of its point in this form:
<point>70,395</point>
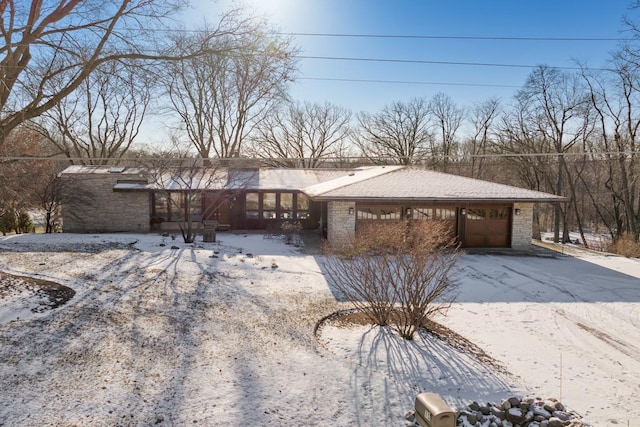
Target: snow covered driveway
<point>222,334</point>
<point>569,327</point>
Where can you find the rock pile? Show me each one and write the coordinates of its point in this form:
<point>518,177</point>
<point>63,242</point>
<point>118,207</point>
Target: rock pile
<point>516,412</point>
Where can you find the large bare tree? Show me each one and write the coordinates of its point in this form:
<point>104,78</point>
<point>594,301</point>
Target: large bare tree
<point>48,49</point>
<point>398,134</point>
<point>615,98</point>
<point>561,107</point>
<point>525,150</point>
<point>303,135</point>
<point>98,122</point>
<point>221,98</point>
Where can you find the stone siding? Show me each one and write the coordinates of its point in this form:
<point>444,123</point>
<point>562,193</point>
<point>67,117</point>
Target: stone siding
<point>522,227</point>
<point>341,224</point>
<point>97,208</point>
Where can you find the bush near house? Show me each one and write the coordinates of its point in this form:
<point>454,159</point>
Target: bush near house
<point>397,273</point>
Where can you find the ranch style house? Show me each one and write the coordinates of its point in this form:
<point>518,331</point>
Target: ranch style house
<point>334,201</point>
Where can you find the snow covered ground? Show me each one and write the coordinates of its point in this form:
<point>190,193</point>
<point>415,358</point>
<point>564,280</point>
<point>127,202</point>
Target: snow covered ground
<point>222,334</point>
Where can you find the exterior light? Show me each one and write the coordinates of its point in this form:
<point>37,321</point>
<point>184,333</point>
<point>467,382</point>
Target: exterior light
<point>463,211</point>
<point>408,213</point>
<point>350,211</point>
<point>516,211</point>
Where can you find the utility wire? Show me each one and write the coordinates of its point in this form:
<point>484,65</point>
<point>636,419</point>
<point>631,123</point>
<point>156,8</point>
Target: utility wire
<point>420,61</point>
<point>436,37</point>
<point>406,82</point>
<point>405,36</point>
<point>242,159</point>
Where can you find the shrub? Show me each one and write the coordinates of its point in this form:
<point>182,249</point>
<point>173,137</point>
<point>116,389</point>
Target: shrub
<point>290,229</point>
<point>628,247</point>
<point>7,220</point>
<point>397,273</point>
<point>24,223</point>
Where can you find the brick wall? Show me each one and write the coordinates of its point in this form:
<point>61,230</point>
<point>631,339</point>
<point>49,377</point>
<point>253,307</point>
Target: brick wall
<point>340,225</point>
<point>97,208</point>
<point>522,226</point>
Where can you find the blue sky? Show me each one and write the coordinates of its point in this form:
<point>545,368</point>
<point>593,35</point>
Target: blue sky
<point>488,18</point>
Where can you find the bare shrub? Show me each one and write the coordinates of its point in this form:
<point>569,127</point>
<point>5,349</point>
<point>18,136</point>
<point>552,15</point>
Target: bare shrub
<point>397,273</point>
<point>290,229</point>
<point>628,247</point>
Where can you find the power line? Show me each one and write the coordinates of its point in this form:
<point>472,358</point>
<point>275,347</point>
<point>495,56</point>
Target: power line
<point>407,36</point>
<point>407,82</point>
<point>421,61</point>
<point>243,159</point>
<point>437,37</point>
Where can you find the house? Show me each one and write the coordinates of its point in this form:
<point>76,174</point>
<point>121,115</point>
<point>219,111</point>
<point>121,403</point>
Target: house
<point>337,201</point>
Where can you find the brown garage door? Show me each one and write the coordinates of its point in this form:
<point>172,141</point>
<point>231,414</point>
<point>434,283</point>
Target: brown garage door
<point>488,227</point>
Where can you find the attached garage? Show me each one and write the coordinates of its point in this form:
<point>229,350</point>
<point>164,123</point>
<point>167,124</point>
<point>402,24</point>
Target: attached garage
<point>479,213</point>
<point>487,226</point>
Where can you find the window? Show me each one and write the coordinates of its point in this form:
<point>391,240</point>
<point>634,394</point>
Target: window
<point>253,205</point>
<point>302,206</point>
<point>172,206</point>
<point>379,212</point>
<point>269,205</point>
<point>286,206</point>
<point>441,214</point>
<point>422,213</point>
<point>160,207</point>
<point>276,205</point>
<point>195,206</point>
<point>476,214</point>
<point>499,214</point>
<point>366,213</point>
<point>445,213</point>
<point>392,212</point>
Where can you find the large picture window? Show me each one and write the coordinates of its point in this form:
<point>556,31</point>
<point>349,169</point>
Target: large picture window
<point>270,205</point>
<point>172,206</point>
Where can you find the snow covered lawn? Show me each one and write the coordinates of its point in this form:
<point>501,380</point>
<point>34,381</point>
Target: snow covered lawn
<point>222,334</point>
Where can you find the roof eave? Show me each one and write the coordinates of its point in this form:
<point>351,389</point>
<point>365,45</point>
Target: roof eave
<point>443,199</point>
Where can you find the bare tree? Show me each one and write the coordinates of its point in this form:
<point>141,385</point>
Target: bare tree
<point>399,133</point>
<point>221,98</point>
<point>561,107</point>
<point>49,48</point>
<point>26,169</point>
<point>448,119</point>
<point>483,117</point>
<point>53,193</point>
<point>192,189</point>
<point>20,168</point>
<point>98,122</point>
<point>615,102</point>
<point>303,135</point>
<point>397,273</point>
<point>527,162</point>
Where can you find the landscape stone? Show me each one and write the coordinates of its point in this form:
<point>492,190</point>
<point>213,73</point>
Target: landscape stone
<point>515,412</point>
